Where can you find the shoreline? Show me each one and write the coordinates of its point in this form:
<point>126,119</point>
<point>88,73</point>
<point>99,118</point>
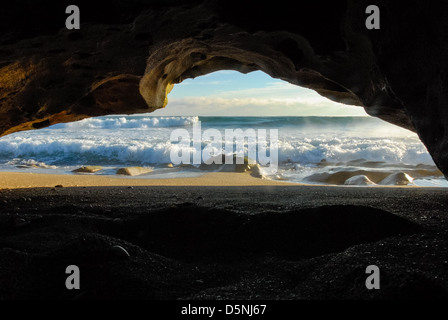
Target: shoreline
<point>26,180</point>
<point>21,180</point>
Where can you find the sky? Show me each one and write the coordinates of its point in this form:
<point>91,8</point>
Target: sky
<point>230,93</point>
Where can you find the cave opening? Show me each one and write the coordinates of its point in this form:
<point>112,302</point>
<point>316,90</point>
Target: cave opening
<point>318,141</point>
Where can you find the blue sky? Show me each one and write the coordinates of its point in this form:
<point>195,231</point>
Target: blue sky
<point>230,93</point>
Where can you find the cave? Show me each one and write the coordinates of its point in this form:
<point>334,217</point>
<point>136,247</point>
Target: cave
<point>126,58</point>
<point>208,241</point>
<point>207,126</point>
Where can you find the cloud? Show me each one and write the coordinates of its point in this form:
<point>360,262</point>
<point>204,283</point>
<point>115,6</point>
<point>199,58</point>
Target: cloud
<point>278,89</point>
<point>299,106</point>
<point>274,98</point>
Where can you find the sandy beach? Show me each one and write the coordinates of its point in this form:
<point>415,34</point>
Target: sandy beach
<point>19,180</point>
<point>16,180</point>
<point>253,241</point>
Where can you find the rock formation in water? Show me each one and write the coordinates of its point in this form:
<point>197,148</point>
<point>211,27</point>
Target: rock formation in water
<point>398,179</point>
<point>359,181</point>
<point>127,56</point>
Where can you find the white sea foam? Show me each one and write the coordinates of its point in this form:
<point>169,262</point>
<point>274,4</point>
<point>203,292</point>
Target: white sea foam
<point>314,150</point>
<point>145,140</point>
<point>156,149</point>
<point>127,123</point>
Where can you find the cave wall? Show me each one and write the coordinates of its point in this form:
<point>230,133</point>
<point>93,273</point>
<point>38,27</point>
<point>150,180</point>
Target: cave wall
<point>128,54</point>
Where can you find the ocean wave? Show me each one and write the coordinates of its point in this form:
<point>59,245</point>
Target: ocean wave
<point>116,148</point>
<point>310,149</point>
<point>74,151</point>
<point>128,123</point>
<point>314,150</point>
<point>100,141</point>
<point>366,125</point>
<point>29,163</point>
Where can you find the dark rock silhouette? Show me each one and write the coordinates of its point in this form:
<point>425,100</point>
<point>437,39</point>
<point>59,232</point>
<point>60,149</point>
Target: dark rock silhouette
<point>128,54</point>
<point>223,242</point>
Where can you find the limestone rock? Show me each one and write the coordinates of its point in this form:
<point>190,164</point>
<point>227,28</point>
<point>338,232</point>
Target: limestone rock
<point>256,171</point>
<point>218,163</point>
<point>133,171</point>
<point>359,181</point>
<point>128,55</point>
<point>88,169</point>
<point>397,179</point>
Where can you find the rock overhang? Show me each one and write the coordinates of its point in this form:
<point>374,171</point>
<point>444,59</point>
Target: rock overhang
<point>127,56</point>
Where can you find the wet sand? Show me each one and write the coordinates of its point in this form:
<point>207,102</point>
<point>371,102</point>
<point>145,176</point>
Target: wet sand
<point>218,242</point>
<point>14,180</point>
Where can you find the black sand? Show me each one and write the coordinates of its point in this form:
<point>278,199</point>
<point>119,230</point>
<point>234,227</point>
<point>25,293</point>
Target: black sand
<point>224,242</point>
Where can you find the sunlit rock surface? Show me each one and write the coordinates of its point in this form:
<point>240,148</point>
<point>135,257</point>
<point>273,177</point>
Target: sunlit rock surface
<point>133,171</point>
<point>359,181</point>
<point>128,55</point>
<point>398,179</point>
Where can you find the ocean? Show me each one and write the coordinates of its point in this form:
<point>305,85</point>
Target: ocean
<point>312,150</point>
